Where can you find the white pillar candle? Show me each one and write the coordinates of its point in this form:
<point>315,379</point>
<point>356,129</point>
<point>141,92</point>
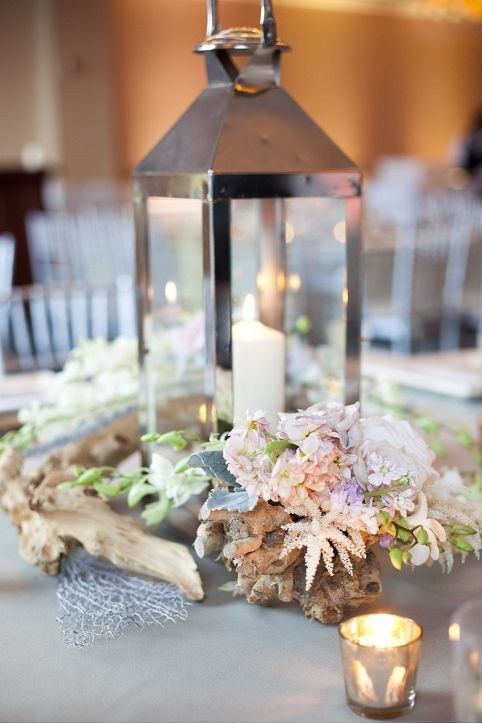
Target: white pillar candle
<point>258,366</point>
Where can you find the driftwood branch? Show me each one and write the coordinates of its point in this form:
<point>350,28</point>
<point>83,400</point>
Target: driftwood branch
<point>52,521</point>
<point>252,543</point>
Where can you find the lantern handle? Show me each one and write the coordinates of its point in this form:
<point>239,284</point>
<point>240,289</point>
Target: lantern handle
<point>212,19</point>
<point>241,40</point>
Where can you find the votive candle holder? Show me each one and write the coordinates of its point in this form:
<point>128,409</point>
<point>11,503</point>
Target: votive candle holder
<point>380,654</point>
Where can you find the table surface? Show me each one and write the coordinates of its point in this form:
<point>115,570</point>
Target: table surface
<point>229,662</point>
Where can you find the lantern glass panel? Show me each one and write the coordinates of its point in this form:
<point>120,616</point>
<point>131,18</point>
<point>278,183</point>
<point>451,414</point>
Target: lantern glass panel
<point>315,314</point>
<point>174,330</point>
<point>289,262</point>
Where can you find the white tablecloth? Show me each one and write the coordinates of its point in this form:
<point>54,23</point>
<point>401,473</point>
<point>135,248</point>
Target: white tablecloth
<point>229,662</point>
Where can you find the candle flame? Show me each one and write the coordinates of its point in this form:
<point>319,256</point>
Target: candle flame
<point>203,413</point>
<point>170,290</point>
<point>454,632</point>
<point>381,630</point>
<point>294,282</point>
<point>249,308</point>
<point>261,281</point>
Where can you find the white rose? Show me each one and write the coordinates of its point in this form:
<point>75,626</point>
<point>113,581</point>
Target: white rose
<point>396,440</point>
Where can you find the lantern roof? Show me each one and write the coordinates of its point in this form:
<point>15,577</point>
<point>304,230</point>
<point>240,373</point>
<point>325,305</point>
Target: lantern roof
<point>244,122</point>
<point>230,131</point>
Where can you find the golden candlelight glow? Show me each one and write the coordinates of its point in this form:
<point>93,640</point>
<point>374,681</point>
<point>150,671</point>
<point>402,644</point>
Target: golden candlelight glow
<point>261,281</point>
<point>170,290</point>
<point>344,296</point>
<point>249,308</point>
<point>281,281</point>
<point>474,660</point>
<point>454,632</point>
<point>203,413</point>
<point>294,282</point>
<point>380,630</point>
<point>380,654</point>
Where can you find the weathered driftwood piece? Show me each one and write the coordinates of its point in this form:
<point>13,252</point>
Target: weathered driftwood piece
<point>108,446</point>
<point>51,521</point>
<point>252,543</point>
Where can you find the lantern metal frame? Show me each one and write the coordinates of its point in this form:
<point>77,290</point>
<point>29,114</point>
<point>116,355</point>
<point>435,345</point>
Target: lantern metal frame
<point>244,137</point>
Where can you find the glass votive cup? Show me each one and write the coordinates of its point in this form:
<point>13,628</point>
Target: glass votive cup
<point>380,654</point>
<point>465,634</point>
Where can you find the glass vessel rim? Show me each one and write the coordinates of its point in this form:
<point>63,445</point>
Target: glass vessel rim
<point>466,606</point>
<point>417,637</point>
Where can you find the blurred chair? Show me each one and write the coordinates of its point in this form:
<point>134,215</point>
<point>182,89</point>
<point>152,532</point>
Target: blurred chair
<point>430,261</point>
<point>42,323</point>
<point>88,194</point>
<point>393,194</point>
<point>7,256</point>
<point>97,246</point>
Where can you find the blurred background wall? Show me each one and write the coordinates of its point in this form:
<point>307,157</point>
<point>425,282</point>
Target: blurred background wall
<point>94,83</point>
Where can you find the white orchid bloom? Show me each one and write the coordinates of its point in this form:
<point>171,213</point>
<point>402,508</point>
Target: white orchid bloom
<point>177,486</point>
<point>419,552</point>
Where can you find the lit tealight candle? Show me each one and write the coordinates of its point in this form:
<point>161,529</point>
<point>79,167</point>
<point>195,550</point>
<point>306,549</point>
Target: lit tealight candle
<point>380,654</point>
<point>170,290</point>
<point>258,365</point>
<point>172,310</point>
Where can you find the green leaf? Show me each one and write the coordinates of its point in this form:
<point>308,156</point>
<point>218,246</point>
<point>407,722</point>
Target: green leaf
<point>175,438</point>
<point>302,324</point>
<point>276,447</point>
<point>383,516</point>
<point>464,437</point>
<point>110,490</point>
<point>214,464</point>
<point>422,536</point>
<point>396,557</point>
<point>403,535</point>
<point>139,491</point>
<point>439,448</point>
<point>462,529</point>
<point>407,557</point>
<point>156,512</point>
<point>182,466</point>
<point>89,477</point>
<point>427,424</point>
<point>461,544</point>
<point>477,456</point>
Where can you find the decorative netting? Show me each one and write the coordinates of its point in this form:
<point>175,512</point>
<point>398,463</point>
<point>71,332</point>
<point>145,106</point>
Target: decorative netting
<point>97,600</point>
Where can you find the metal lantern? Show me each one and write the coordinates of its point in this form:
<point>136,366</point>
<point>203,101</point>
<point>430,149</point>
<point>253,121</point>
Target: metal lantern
<point>248,249</point>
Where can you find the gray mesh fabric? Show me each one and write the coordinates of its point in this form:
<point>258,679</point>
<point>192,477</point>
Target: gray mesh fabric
<point>96,600</point>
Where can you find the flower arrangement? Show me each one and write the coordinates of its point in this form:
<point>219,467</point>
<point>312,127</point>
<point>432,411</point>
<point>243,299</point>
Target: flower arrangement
<point>296,511</point>
<point>98,382</point>
<point>346,482</point>
<point>293,509</point>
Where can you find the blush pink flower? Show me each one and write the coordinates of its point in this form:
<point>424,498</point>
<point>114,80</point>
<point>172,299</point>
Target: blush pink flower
<point>244,462</point>
<point>286,476</point>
